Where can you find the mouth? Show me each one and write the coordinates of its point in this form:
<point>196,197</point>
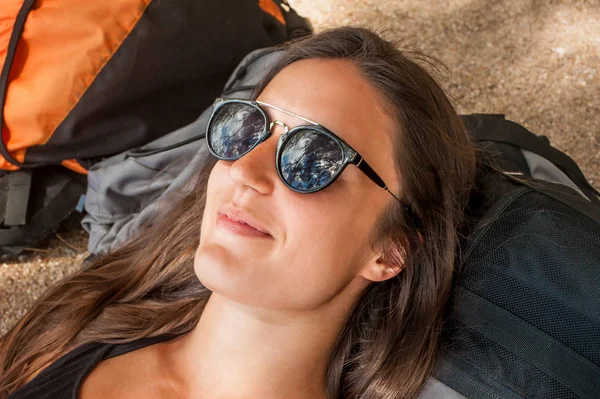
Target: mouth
<point>235,224</point>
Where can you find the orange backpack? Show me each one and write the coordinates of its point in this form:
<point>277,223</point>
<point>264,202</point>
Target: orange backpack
<point>81,80</point>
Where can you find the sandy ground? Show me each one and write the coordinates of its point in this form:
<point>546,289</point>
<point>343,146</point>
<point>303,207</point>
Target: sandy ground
<point>537,62</point>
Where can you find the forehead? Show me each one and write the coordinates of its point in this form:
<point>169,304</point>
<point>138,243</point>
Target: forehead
<point>334,94</point>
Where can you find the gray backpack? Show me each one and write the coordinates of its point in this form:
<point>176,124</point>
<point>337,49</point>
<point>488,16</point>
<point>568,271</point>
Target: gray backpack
<point>126,190</point>
<point>524,317</point>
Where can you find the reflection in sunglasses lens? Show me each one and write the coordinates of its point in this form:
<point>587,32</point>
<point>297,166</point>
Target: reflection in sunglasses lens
<point>235,129</point>
<point>309,160</point>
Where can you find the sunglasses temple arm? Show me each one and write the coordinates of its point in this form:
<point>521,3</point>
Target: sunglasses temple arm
<point>371,174</point>
<point>367,170</point>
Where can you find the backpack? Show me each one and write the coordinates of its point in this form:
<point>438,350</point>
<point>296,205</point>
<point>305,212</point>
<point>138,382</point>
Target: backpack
<point>523,320</point>
<point>524,317</point>
<point>119,74</point>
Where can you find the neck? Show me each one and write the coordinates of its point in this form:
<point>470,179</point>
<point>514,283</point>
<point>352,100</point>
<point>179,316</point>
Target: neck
<point>236,351</point>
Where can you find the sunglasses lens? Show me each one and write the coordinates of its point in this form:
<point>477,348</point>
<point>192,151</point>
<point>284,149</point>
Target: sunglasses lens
<point>310,160</point>
<point>234,129</point>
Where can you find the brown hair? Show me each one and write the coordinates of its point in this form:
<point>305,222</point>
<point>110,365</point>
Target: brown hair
<point>389,345</point>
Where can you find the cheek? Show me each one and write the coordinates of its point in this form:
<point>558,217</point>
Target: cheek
<point>215,176</point>
<point>322,257</point>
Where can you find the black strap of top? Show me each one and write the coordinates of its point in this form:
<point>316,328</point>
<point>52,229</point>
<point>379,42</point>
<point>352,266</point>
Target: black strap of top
<point>140,343</point>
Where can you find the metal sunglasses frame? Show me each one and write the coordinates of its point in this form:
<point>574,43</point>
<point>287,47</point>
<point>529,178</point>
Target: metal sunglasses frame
<point>350,155</point>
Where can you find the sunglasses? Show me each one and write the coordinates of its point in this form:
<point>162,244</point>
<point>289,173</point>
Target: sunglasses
<point>309,157</point>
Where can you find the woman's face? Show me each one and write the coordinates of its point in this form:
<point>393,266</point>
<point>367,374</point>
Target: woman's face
<point>318,242</point>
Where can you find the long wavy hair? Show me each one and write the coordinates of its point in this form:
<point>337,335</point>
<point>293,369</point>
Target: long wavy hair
<point>388,347</point>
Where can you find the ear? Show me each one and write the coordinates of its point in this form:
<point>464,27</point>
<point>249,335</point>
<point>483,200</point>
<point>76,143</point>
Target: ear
<point>381,269</point>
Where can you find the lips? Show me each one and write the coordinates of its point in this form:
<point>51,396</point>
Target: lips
<point>241,216</point>
<point>239,228</point>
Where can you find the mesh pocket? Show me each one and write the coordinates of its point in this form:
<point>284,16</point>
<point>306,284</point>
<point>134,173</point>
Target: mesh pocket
<point>506,367</point>
<point>540,261</point>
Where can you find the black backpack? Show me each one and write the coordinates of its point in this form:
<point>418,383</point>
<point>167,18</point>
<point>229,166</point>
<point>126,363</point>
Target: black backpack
<point>524,317</point>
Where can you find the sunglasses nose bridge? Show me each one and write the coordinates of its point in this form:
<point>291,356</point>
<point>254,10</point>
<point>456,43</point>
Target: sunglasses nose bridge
<point>286,127</point>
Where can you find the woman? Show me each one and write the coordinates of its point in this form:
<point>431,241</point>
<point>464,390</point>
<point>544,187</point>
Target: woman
<point>338,289</point>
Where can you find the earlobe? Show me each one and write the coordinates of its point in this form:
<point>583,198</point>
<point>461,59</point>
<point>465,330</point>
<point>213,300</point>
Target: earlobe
<point>389,271</point>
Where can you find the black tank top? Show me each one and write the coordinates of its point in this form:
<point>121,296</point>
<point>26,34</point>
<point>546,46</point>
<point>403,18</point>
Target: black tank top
<point>62,379</point>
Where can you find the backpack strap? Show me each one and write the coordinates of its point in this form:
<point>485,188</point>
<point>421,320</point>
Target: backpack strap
<point>496,129</point>
<point>549,355</point>
<point>54,194</point>
<point>17,197</point>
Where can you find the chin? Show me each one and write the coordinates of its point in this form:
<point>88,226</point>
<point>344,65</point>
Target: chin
<point>217,270</point>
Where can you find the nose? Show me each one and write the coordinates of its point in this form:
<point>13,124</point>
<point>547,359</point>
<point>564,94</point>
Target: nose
<point>257,168</point>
